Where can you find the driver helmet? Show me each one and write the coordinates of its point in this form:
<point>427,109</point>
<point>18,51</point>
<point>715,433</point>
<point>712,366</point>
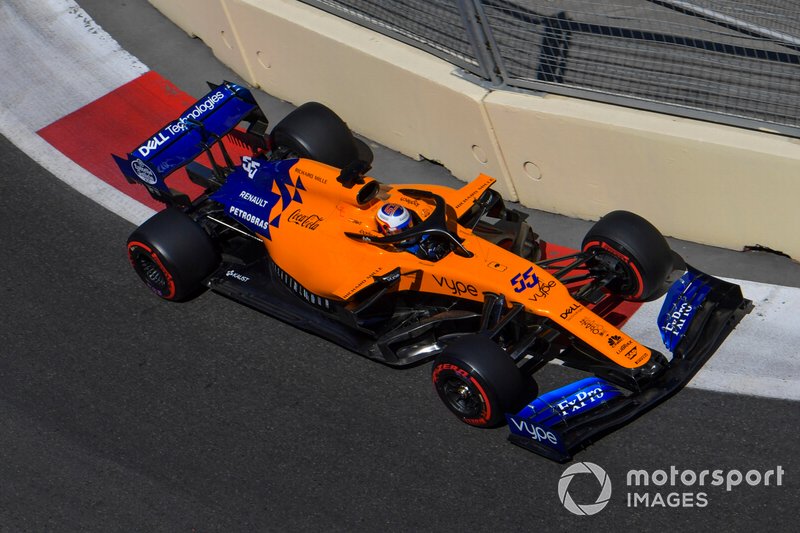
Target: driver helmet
<point>393,218</point>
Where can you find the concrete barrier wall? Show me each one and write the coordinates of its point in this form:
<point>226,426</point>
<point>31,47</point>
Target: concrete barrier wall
<point>392,93</point>
<point>208,20</point>
<point>695,180</point>
<point>698,181</point>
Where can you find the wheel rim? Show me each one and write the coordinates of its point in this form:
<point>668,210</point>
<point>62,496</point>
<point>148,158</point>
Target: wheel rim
<point>151,271</point>
<point>463,397</point>
<point>627,280</point>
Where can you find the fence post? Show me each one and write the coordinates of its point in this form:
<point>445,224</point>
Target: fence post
<point>479,35</point>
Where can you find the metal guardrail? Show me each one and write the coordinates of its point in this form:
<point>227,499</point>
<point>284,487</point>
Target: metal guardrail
<point>732,62</point>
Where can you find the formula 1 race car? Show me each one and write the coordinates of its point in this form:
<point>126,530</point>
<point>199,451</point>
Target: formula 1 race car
<point>292,231</point>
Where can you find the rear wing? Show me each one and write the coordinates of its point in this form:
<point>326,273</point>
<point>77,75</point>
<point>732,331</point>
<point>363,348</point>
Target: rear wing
<point>192,133</point>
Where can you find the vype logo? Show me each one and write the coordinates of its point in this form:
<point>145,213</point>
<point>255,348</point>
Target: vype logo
<point>457,288</point>
<point>535,432</point>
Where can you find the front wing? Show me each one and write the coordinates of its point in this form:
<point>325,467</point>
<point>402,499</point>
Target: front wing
<point>699,312</point>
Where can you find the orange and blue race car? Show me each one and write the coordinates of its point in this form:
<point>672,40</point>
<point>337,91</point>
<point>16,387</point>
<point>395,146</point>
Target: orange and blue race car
<point>413,273</point>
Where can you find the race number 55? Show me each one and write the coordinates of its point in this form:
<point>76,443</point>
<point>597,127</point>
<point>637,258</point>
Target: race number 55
<point>524,280</point>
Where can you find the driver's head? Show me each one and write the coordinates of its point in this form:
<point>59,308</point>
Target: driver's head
<point>393,218</point>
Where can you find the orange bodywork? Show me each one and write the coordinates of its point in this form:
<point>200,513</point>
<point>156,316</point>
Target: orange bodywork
<point>310,244</point>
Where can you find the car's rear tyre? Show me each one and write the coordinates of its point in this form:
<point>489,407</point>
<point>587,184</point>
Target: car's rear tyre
<point>315,132</point>
<point>172,255</point>
<point>477,381</point>
<point>633,250</point>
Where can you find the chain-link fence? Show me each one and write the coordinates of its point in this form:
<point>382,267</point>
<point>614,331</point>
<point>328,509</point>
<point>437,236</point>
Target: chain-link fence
<point>735,62</point>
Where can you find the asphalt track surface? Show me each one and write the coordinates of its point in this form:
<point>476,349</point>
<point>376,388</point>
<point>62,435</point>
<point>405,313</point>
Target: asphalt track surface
<point>122,412</point>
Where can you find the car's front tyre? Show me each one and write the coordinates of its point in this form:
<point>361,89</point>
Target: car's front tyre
<point>633,251</point>
<point>477,381</point>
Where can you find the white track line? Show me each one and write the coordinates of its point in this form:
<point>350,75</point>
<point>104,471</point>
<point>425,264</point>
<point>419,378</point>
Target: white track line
<point>759,358</point>
<point>70,172</point>
<point>55,59</point>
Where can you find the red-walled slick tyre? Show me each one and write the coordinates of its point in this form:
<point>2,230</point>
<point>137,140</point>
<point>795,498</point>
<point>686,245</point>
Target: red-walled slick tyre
<point>172,255</point>
<point>477,381</point>
<point>633,251</point>
<point>314,131</point>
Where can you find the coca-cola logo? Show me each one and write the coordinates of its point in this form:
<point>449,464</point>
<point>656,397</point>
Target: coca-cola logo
<point>303,220</point>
